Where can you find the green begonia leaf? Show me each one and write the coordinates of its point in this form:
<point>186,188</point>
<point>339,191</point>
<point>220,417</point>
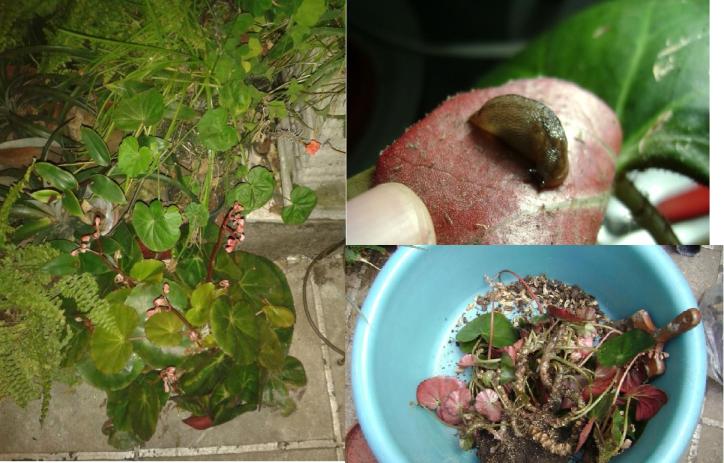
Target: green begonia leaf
<point>110,348</point>
<point>143,109</point>
<point>235,328</point>
<point>214,132</point>
<point>257,190</point>
<point>158,227</point>
<point>303,202</point>
<point>147,270</point>
<point>164,329</point>
<point>134,160</point>
<point>504,333</point>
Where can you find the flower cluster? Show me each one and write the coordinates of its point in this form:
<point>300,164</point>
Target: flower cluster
<point>235,223</point>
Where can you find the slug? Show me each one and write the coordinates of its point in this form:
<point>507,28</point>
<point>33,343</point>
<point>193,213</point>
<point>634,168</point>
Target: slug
<point>530,128</point>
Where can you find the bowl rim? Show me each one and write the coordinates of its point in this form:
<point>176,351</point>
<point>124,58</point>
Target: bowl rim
<point>371,420</point>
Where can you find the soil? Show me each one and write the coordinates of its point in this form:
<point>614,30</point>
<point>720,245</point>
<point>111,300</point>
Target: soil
<point>511,450</point>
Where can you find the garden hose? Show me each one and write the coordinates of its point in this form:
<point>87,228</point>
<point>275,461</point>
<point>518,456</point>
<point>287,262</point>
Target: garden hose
<point>319,334</point>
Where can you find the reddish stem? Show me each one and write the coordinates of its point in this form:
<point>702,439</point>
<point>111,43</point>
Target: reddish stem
<point>528,288</point>
<point>217,245</point>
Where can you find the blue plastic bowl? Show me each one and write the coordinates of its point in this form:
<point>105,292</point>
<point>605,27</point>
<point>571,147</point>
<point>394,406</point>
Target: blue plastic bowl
<point>409,317</point>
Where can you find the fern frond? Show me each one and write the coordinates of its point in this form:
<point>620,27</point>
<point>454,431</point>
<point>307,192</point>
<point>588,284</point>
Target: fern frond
<point>83,289</point>
<point>10,198</point>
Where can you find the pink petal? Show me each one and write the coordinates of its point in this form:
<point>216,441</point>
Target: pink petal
<point>432,391</point>
<point>466,361</point>
<point>486,404</point>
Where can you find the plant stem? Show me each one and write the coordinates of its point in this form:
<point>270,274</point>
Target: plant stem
<point>217,245</point>
<point>645,213</point>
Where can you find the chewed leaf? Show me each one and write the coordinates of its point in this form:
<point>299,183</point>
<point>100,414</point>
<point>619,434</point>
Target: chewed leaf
<point>649,400</point>
<point>432,391</point>
<point>454,405</point>
<point>486,403</point>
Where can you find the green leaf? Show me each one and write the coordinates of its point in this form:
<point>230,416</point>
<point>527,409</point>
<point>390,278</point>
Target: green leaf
<point>271,352</point>
<point>156,356</point>
<point>201,299</point>
<point>97,149</point>
<point>293,374</point>
<point>243,22</point>
<point>649,60</point>
<point>141,297</point>
<point>71,204</point>
<point>257,190</point>
<point>237,97</point>
<point>64,264</point>
<point>620,349</point>
<point>146,398</point>
<point>504,333</point>
<point>46,195</point>
<point>197,215</point>
<point>303,202</point>
<point>309,12</point>
<point>254,48</point>
<point>111,349</point>
<point>177,295</point>
<point>279,317</point>
<point>256,282</point>
<point>57,177</point>
<point>143,109</point>
<point>164,329</point>
<point>148,270</point>
<point>235,328</point>
<point>213,131</point>
<point>256,7</point>
<point>158,227</point>
<point>105,188</point>
<point>133,160</point>
<point>238,393</point>
<point>191,270</point>
<point>277,109</point>
<point>200,372</point>
<point>112,381</point>
<point>93,263</point>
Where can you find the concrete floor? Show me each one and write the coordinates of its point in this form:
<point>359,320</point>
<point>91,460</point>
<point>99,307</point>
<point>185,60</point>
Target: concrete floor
<point>313,432</point>
<point>701,272</point>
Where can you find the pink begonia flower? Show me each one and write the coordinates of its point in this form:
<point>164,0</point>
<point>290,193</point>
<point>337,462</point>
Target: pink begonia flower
<point>485,404</point>
<point>586,344</point>
<point>466,361</point>
<point>432,391</point>
<point>513,349</point>
<point>455,404</point>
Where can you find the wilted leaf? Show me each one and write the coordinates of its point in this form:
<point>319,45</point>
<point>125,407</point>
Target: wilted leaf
<point>432,391</point>
<point>454,405</point>
<point>649,400</point>
<point>486,403</point>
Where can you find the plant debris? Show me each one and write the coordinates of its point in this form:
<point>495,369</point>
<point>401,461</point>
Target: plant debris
<point>552,378</point>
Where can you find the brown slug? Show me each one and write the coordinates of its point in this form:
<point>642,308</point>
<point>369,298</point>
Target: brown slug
<point>532,129</point>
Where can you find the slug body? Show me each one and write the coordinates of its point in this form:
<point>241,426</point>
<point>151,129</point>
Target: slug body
<point>530,128</point>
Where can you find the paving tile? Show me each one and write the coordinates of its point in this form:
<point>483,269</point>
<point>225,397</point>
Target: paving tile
<point>713,402</point>
<point>710,446</point>
<point>74,422</point>
<point>277,455</point>
<point>329,278</point>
